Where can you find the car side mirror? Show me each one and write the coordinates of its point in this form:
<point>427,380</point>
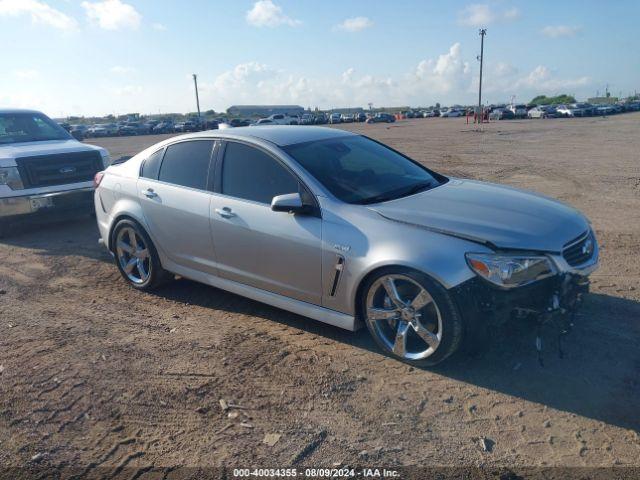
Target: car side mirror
<point>290,203</point>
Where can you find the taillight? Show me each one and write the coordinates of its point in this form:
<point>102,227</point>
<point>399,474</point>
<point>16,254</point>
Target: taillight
<point>97,179</point>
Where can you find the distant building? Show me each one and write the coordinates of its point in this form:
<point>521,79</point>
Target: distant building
<point>264,110</point>
<point>603,100</point>
<point>348,110</point>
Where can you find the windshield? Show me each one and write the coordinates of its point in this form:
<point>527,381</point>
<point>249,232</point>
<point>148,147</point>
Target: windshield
<point>359,170</point>
<point>29,127</point>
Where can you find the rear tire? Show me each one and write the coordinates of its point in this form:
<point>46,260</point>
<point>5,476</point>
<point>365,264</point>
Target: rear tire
<point>136,257</point>
<point>421,326</point>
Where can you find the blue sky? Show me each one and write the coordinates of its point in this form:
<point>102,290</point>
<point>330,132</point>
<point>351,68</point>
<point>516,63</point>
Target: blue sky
<point>117,56</point>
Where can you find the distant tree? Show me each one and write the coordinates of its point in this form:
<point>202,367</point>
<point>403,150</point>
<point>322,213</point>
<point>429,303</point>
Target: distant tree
<point>437,106</point>
<point>557,100</point>
<point>210,112</point>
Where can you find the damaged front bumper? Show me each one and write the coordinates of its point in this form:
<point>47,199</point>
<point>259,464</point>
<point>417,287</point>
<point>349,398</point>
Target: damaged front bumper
<point>554,297</point>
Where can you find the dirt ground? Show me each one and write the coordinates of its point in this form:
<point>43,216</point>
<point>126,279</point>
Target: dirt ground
<point>94,374</point>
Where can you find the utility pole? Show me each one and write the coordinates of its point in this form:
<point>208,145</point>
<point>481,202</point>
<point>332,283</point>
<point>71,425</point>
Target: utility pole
<point>483,32</point>
<point>195,82</point>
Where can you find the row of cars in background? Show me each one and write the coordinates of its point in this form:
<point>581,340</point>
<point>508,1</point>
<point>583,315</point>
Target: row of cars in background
<point>580,109</point>
<point>195,124</point>
<point>128,128</point>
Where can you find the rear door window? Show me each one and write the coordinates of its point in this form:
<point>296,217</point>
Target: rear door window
<point>187,164</point>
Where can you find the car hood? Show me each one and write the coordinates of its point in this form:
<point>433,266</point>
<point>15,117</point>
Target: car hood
<point>503,217</point>
<point>8,153</point>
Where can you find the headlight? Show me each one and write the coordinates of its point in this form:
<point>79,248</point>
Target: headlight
<point>510,270</point>
<point>11,177</point>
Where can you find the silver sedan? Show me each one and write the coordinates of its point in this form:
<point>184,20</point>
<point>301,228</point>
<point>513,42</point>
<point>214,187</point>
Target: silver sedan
<point>343,229</point>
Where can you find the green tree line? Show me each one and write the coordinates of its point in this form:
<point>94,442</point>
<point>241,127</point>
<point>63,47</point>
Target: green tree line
<point>557,100</point>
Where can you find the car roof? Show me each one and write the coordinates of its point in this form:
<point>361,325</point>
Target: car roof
<point>283,135</point>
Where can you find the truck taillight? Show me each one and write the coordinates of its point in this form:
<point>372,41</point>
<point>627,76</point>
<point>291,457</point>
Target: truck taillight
<point>97,179</point>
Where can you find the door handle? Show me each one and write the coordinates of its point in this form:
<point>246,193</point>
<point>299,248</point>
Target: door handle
<point>149,193</point>
<point>225,212</point>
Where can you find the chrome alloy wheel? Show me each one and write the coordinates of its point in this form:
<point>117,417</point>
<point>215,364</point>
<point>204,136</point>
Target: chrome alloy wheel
<point>133,255</point>
<point>404,317</point>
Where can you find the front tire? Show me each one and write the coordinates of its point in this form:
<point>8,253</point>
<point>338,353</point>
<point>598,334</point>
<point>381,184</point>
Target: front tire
<point>136,257</point>
<point>411,317</point>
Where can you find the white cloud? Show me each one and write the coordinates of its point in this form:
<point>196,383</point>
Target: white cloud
<point>542,79</point>
<point>481,15</point>
<point>448,73</point>
<point>120,70</point>
<point>511,14</point>
<point>265,13</point>
<point>555,31</point>
<point>128,90</point>
<point>501,80</point>
<point>28,74</point>
<point>112,14</point>
<point>446,77</point>
<point>355,24</point>
<point>40,13</point>
<point>158,26</point>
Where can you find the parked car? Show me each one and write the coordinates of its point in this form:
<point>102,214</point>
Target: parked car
<point>239,122</point>
<point>321,119</point>
<point>79,132</point>
<point>519,111</point>
<point>43,167</point>
<point>586,108</point>
<point>211,124</point>
<point>140,128</point>
<point>335,118</point>
<point>307,119</point>
<point>542,111</point>
<point>102,130</point>
<point>432,113</point>
<point>372,237</point>
<point>187,126</point>
<point>381,118</point>
<point>98,130</point>
<point>149,125</point>
<point>282,119</point>
<point>126,130</point>
<point>361,117</point>
<point>165,126</point>
<point>605,110</point>
<point>569,111</point>
<point>452,113</point>
<point>501,114</point>
<point>265,121</point>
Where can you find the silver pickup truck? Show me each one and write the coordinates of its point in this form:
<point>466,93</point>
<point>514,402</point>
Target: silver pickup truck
<point>43,168</point>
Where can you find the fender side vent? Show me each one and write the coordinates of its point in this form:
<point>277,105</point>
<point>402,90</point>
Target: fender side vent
<point>336,278</point>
